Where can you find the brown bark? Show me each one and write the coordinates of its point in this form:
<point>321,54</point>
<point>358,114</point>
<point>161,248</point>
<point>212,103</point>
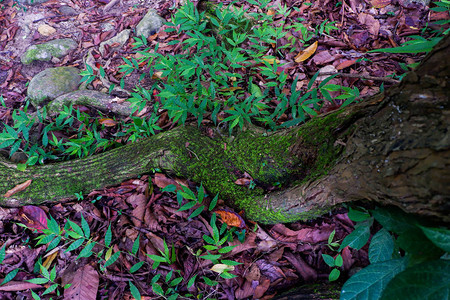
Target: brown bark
<point>392,149</point>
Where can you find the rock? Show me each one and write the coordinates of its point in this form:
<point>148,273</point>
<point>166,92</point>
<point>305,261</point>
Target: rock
<point>150,24</point>
<point>121,38</point>
<point>66,10</point>
<point>45,52</point>
<point>91,98</point>
<point>51,83</point>
<point>46,30</point>
<point>32,2</point>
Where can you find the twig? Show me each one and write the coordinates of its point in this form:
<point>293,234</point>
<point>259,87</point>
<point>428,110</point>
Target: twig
<point>385,79</point>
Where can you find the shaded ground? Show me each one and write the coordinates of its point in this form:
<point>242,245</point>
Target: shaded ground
<point>274,258</point>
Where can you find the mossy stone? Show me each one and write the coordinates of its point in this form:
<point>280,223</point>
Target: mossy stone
<point>45,52</point>
<point>51,83</point>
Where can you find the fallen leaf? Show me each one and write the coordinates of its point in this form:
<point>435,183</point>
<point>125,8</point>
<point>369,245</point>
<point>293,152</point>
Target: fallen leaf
<point>243,181</point>
<point>231,218</point>
<point>108,122</point>
<point>306,53</point>
<point>220,268</point>
<point>380,3</point>
<point>33,217</point>
<point>14,286</point>
<point>46,30</point>
<point>84,284</point>
<point>17,188</point>
<point>346,64</point>
<point>231,89</point>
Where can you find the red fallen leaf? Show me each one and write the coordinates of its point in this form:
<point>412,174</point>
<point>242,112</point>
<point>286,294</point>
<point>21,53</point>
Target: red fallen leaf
<point>108,122</point>
<point>33,217</point>
<point>231,218</point>
<point>346,64</point>
<point>243,181</point>
<point>17,188</point>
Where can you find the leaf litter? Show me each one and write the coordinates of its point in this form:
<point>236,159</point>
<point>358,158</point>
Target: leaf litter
<point>274,258</point>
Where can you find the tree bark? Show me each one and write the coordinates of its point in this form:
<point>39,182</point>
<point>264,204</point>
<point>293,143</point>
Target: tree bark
<point>393,148</point>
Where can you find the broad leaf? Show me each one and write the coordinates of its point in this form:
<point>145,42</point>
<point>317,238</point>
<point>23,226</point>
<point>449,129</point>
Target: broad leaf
<point>370,282</point>
<point>359,237</point>
<point>439,236</point>
<point>84,284</point>
<point>429,280</point>
<point>393,219</point>
<point>381,247</point>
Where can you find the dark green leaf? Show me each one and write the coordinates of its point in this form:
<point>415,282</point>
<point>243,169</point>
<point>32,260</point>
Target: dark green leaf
<point>429,280</point>
<point>75,245</point>
<point>85,226</point>
<point>370,282</point>
<point>108,236</point>
<point>394,219</point>
<point>357,215</point>
<point>439,236</point>
<point>358,238</point>
<point>381,247</point>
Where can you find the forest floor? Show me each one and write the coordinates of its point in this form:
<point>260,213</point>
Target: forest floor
<point>138,218</point>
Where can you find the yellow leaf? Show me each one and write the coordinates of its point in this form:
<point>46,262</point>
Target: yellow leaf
<point>305,54</point>
<point>271,60</point>
<point>220,268</point>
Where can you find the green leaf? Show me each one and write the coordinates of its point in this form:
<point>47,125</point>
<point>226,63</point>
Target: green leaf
<point>439,236</point>
<point>338,261</point>
<point>334,275</point>
<point>157,289</point>
<point>213,202</point>
<point>370,282</point>
<point>191,281</point>
<point>358,216</point>
<point>418,246</point>
<point>135,248</point>
<point>112,259</point>
<point>210,256</point>
<point>157,258</point>
<point>76,228</point>
<point>197,211</point>
<point>136,267</point>
<point>50,289</point>
<point>134,291</point>
<point>381,247</point>
<point>187,206</point>
<point>226,249</point>
<point>86,252</point>
<point>2,253</point>
<point>394,219</point>
<point>75,245</point>
<point>358,238</point>
<point>85,226</point>
<point>38,280</point>
<point>429,280</point>
<point>328,259</point>
<point>10,276</point>
<point>108,236</point>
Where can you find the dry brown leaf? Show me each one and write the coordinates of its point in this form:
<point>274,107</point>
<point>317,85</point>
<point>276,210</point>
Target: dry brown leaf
<point>108,122</point>
<point>346,64</point>
<point>17,188</point>
<point>84,284</point>
<point>231,89</point>
<point>380,3</point>
<point>305,54</point>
